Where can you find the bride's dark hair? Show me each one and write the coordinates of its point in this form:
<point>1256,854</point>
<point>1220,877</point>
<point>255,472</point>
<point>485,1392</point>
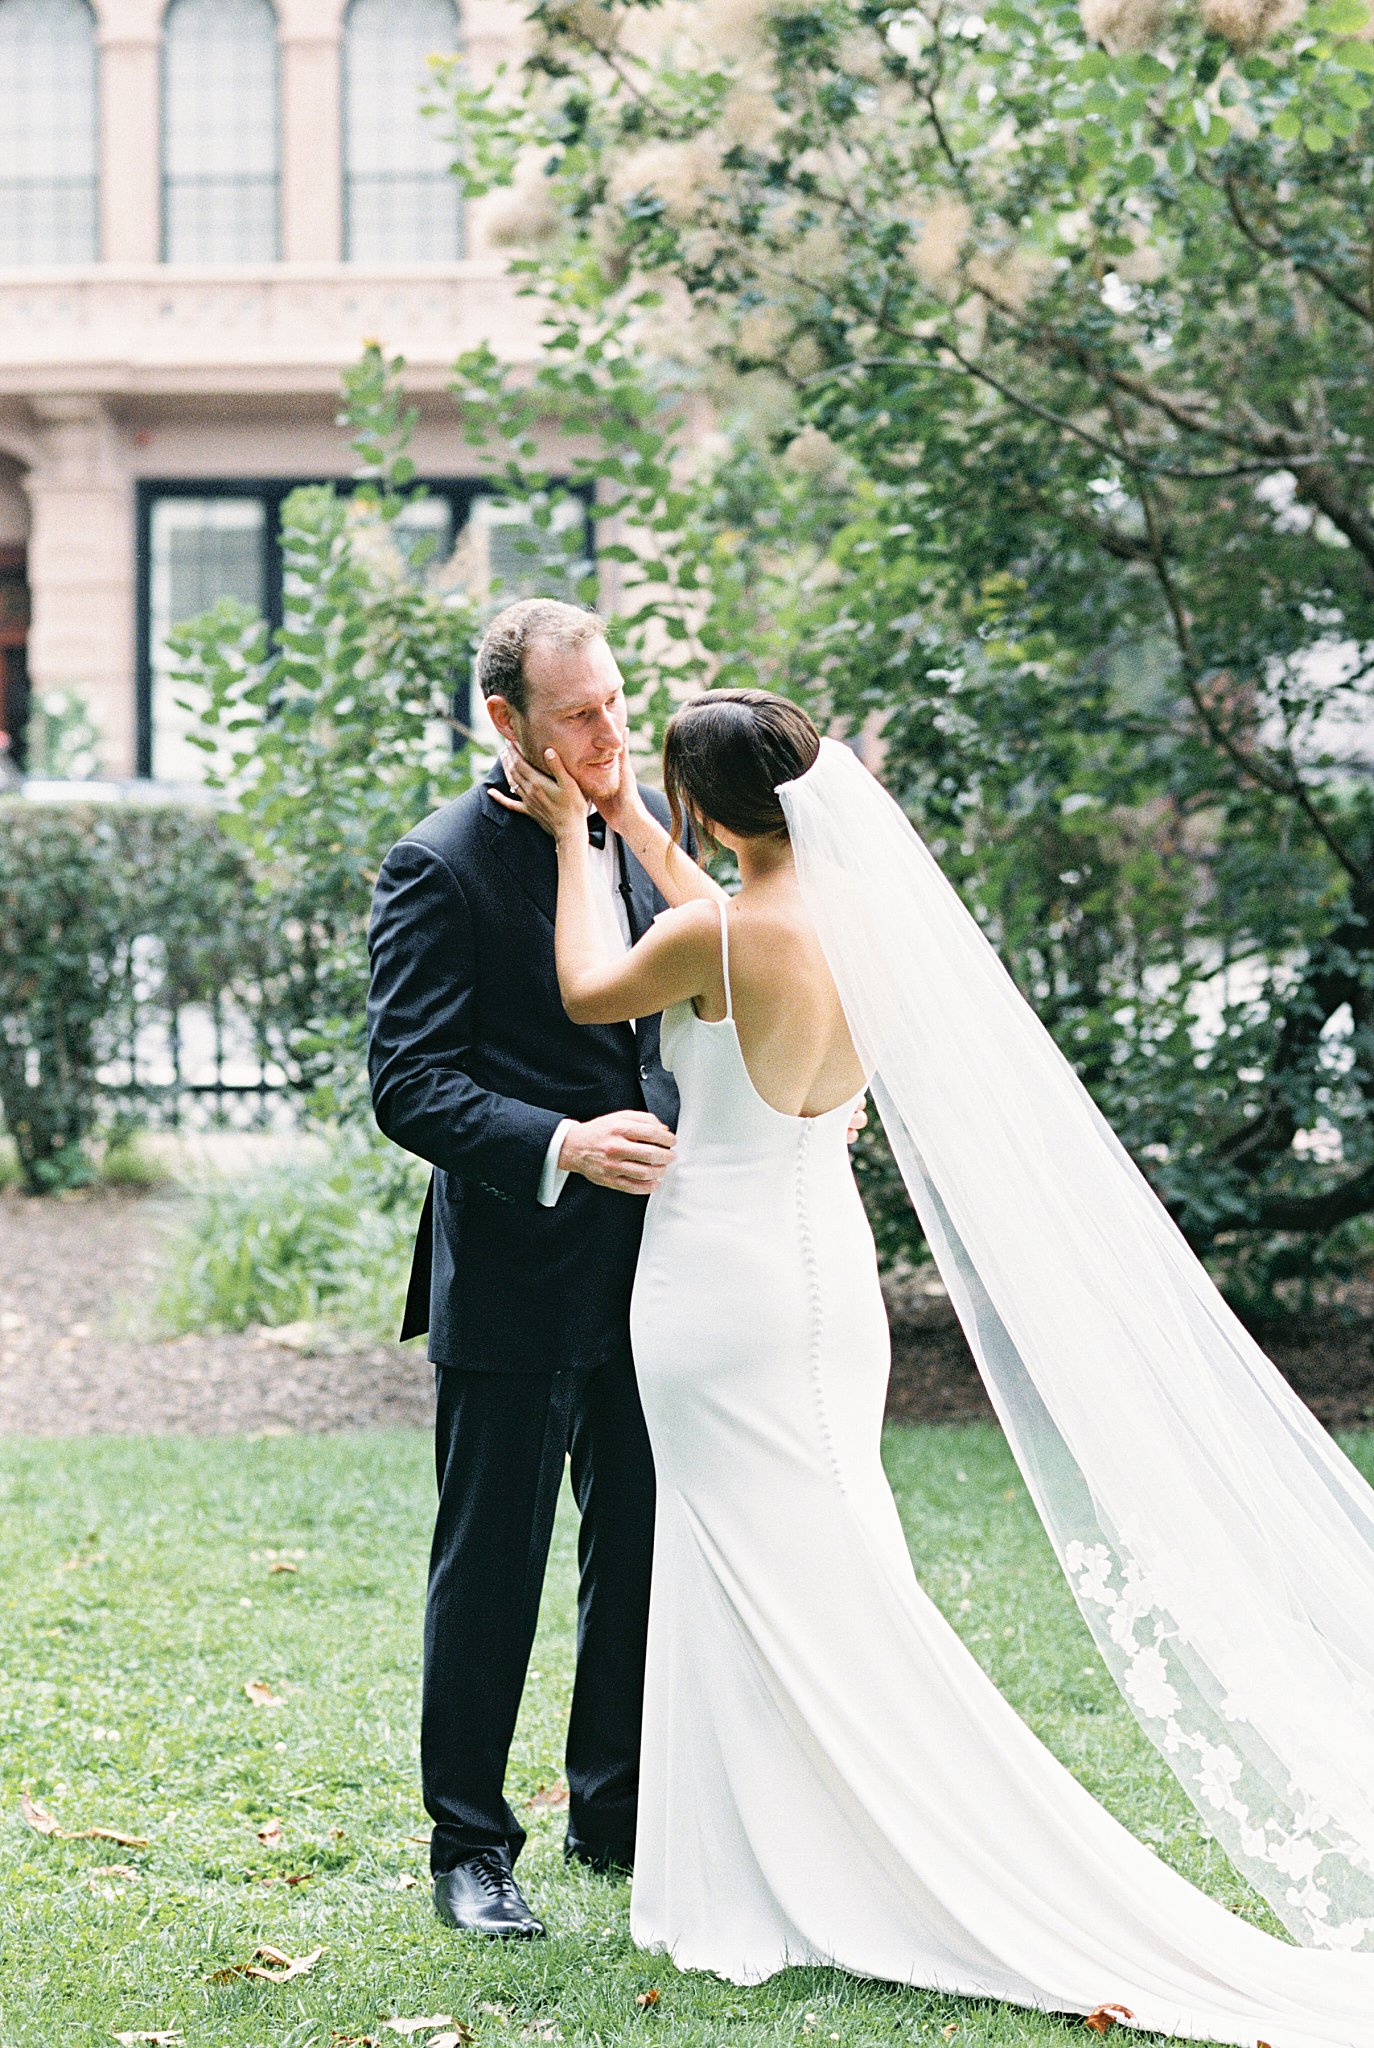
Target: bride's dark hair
<point>724,755</point>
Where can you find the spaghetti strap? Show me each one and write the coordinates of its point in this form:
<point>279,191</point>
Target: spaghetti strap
<point>725,956</point>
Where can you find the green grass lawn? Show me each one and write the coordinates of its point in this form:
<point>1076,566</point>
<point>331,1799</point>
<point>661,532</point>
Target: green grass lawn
<point>138,1602</point>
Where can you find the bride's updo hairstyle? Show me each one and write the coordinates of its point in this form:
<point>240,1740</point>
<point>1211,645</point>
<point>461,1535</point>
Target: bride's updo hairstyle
<point>724,755</point>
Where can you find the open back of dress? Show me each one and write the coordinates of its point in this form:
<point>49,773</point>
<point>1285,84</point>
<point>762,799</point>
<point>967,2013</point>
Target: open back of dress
<point>827,1775</point>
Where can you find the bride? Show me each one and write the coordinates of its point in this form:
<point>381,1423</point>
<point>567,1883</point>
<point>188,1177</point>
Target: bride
<point>828,1775</point>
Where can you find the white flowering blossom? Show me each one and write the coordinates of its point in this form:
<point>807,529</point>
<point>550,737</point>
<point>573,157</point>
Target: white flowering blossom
<point>763,331</point>
<point>908,35</point>
<point>1124,24</point>
<point>524,214</point>
<point>1010,277</point>
<point>733,27</point>
<point>940,232</point>
<point>677,173</point>
<point>813,453</point>
<point>1245,23</point>
<point>749,118</point>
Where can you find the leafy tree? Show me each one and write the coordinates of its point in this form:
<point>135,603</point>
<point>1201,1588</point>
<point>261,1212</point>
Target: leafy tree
<point>335,733</point>
<point>1037,347</point>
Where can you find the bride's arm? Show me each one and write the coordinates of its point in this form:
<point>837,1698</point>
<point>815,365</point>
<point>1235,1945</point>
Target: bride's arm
<point>670,964</point>
<point>673,872</point>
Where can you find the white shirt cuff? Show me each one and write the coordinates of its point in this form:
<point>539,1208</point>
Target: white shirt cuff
<point>553,1176</point>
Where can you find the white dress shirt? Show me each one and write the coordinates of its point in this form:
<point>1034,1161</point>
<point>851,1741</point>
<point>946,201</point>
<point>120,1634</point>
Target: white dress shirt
<point>614,920</point>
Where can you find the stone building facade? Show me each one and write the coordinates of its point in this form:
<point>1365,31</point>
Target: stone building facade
<point>205,207</point>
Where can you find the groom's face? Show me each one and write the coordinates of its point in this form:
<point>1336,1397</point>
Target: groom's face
<point>575,703</point>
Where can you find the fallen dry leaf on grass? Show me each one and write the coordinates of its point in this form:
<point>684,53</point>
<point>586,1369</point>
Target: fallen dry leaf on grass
<point>542,2030</point>
<point>269,1964</point>
<point>649,1997</point>
<point>455,2037</point>
<point>157,2040</point>
<point>38,1818</point>
<point>427,2026</point>
<point>45,1824</point>
<point>951,2030</point>
<point>262,1695</point>
<point>124,1870</point>
<point>81,1560</point>
<point>269,1834</point>
<point>550,1798</point>
<point>354,2041</point>
<point>281,1564</point>
<point>1107,2016</point>
<point>498,2012</point>
<point>406,1882</point>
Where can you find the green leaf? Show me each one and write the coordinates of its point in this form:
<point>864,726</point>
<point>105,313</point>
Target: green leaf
<point>1316,136</point>
<point>1342,17</point>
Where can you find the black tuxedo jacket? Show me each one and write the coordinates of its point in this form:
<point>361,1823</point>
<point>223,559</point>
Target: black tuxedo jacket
<point>473,1063</point>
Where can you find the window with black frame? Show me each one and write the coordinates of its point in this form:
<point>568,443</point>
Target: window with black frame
<point>202,541</point>
<point>401,202</point>
<point>220,127</point>
<point>49,133</point>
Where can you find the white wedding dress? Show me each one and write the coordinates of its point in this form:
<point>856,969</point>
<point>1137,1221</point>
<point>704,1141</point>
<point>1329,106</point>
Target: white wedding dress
<point>828,1776</point>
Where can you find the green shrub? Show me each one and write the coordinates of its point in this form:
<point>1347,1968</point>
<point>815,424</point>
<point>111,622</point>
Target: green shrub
<point>110,915</point>
<point>319,1240</point>
<point>125,1164</point>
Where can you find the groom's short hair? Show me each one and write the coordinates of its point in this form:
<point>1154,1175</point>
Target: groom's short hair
<point>501,655</point>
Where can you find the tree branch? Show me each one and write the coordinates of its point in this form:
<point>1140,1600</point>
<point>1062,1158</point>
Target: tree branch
<point>1348,299</point>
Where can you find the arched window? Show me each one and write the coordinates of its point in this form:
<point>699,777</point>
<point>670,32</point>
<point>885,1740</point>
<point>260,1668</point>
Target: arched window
<point>219,132</point>
<point>48,145</point>
<point>401,205</point>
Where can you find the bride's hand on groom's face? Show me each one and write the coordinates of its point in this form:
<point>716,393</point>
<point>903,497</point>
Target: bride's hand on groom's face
<point>551,798</point>
<point>618,810</point>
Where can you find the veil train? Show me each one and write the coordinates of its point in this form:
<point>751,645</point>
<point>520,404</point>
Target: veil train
<point>1218,1542</point>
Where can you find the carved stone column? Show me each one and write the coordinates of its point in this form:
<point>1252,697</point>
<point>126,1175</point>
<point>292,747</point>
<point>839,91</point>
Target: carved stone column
<point>130,133</point>
<point>311,142</point>
<point>81,568</point>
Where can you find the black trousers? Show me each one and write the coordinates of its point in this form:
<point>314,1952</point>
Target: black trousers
<point>500,1443</point>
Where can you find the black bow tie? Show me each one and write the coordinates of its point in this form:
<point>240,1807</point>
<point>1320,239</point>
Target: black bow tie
<point>596,828</point>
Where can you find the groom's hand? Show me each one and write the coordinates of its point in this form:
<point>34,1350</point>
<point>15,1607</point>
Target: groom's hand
<point>628,1150</point>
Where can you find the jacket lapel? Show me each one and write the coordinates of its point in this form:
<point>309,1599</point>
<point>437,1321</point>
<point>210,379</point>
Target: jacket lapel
<point>527,852</point>
<point>522,847</point>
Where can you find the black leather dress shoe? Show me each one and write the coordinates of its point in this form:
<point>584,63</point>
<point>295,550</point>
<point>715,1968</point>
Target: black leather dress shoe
<point>480,1896</point>
<point>609,1862</point>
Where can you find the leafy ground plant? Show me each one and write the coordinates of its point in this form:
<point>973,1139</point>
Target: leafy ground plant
<point>321,1239</point>
<point>209,1652</point>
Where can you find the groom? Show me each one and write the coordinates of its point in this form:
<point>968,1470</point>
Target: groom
<point>545,1138</point>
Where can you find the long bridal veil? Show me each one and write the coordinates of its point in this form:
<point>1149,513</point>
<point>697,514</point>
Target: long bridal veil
<point>1219,1544</point>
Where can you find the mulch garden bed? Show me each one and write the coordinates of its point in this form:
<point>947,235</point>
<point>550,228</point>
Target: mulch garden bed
<point>79,1355</point>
